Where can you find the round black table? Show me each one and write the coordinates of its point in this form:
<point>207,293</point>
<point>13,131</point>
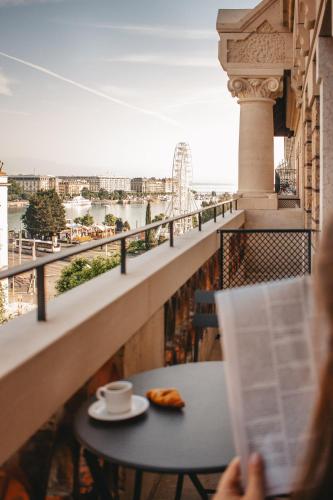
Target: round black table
<point>194,440</point>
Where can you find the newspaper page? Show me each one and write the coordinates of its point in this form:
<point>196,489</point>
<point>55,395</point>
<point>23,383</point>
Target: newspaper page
<point>271,373</point>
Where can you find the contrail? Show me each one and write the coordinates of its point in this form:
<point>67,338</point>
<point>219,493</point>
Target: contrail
<point>48,72</point>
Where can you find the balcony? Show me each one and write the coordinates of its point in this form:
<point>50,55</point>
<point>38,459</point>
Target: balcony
<point>86,337</point>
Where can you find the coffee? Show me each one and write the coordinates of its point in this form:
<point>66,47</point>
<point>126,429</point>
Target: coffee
<point>117,396</point>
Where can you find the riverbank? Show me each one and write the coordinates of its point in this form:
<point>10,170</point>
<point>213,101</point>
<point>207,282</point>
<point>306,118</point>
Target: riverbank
<point>18,203</point>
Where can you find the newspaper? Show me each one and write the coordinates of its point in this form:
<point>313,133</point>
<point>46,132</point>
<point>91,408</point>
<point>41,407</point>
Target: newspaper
<point>272,374</point>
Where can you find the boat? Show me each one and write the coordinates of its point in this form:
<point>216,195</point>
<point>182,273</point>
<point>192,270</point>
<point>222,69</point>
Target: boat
<point>77,201</point>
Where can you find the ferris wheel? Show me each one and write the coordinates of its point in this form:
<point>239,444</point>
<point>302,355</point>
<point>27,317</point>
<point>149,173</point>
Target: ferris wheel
<point>182,200</point>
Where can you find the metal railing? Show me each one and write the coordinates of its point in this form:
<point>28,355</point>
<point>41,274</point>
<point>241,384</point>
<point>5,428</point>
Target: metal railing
<point>289,201</point>
<point>249,256</point>
<point>39,264</point>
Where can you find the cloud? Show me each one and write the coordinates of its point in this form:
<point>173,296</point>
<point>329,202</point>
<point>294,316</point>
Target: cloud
<point>5,85</point>
<point>14,112</point>
<point>160,31</point>
<point>118,91</point>
<point>210,95</point>
<point>95,92</point>
<point>166,60</point>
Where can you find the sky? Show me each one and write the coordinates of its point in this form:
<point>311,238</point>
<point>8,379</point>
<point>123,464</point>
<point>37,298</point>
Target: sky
<point>97,87</point>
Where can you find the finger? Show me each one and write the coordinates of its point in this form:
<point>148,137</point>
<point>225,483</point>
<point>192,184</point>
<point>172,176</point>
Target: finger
<point>230,481</point>
<point>255,484</point>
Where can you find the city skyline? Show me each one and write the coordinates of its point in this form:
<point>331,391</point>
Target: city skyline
<point>109,88</point>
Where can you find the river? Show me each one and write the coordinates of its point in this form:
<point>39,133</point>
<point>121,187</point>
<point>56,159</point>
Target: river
<point>135,214</point>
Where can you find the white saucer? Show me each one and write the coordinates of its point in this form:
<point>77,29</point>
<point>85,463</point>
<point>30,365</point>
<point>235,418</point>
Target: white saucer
<point>98,410</point>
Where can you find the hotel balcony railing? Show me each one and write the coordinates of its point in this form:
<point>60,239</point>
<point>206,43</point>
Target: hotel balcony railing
<point>39,265</point>
<point>46,362</point>
<point>249,256</point>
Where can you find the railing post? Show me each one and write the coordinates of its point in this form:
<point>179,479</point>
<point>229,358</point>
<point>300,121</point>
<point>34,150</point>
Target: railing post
<point>171,233</point>
<point>200,221</point>
<point>310,251</point>
<point>123,256</point>
<point>236,204</point>
<point>214,214</point>
<point>221,260</point>
<point>223,211</point>
<point>231,207</point>
<point>41,306</point>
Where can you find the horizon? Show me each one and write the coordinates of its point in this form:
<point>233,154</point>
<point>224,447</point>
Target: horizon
<point>109,88</point>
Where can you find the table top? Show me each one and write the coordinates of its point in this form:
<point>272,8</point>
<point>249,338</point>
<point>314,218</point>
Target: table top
<point>196,439</point>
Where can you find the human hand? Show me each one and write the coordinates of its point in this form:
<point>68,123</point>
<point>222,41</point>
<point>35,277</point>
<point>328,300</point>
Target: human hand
<point>230,487</point>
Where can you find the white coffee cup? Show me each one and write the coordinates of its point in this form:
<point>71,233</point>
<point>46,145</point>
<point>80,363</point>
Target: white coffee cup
<point>117,396</point>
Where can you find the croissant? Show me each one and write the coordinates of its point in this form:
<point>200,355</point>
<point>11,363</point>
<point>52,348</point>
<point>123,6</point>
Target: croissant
<point>166,397</point>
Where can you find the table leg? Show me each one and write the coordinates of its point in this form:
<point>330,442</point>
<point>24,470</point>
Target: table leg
<point>198,486</point>
<point>179,489</point>
<point>97,475</point>
<point>137,485</point>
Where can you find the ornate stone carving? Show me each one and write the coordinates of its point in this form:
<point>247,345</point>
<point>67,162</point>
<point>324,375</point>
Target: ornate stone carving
<point>264,46</point>
<point>247,88</point>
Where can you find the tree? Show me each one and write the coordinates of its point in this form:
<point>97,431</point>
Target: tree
<point>103,194</point>
<point>15,192</point>
<point>86,193</point>
<point>158,217</point>
<point>126,226</point>
<point>82,270</point>
<point>149,233</point>
<point>45,215</point>
<point>110,220</point>
<point>136,247</point>
<point>85,220</point>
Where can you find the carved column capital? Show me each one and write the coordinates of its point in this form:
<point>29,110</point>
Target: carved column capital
<point>255,88</point>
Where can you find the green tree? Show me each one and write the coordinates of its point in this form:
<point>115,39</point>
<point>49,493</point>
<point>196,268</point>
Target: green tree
<point>86,193</point>
<point>126,226</point>
<point>110,220</point>
<point>158,217</point>
<point>85,220</point>
<point>119,195</point>
<point>45,215</point>
<point>208,214</point>
<point>149,237</point>
<point>83,269</point>
<point>136,247</point>
<point>103,194</point>
<point>15,191</point>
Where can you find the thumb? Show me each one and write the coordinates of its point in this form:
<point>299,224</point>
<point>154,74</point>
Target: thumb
<point>255,483</point>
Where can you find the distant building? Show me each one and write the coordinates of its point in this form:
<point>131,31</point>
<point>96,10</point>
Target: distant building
<point>120,184</point>
<point>138,184</point>
<point>152,185</point>
<point>168,183</point>
<point>71,187</point>
<point>97,182</point>
<point>33,183</point>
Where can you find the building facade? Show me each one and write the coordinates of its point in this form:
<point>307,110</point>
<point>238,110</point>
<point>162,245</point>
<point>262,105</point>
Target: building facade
<point>138,184</point>
<point>152,185</point>
<point>279,60</point>
<point>97,182</point>
<point>33,183</point>
<point>71,187</point>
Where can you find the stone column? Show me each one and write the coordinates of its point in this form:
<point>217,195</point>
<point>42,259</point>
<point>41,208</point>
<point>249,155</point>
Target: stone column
<point>256,97</point>
<point>325,78</point>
